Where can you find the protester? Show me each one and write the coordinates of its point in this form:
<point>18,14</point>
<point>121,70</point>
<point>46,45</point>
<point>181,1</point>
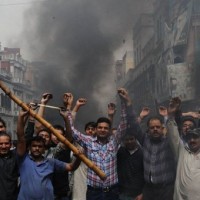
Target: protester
<point>159,163</point>
<point>102,150</point>
<point>53,149</point>
<point>130,168</point>
<point>9,169</point>
<point>187,154</point>
<point>60,179</point>
<point>80,175</point>
<point>35,170</point>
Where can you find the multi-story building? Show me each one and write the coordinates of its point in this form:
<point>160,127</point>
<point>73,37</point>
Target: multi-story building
<point>123,68</point>
<point>166,53</point>
<point>12,72</point>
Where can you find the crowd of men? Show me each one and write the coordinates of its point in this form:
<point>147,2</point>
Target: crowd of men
<point>159,162</point>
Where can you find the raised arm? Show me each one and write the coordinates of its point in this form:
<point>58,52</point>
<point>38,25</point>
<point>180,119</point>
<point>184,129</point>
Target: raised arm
<point>29,131</point>
<point>45,99</point>
<point>79,103</point>
<point>21,142</point>
<point>195,115</point>
<point>125,106</point>
<point>172,128</point>
<point>68,131</point>
<point>68,99</point>
<point>111,111</point>
<point>78,137</point>
<point>143,114</point>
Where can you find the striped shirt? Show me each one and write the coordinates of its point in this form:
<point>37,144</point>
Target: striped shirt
<point>104,156</point>
<point>159,162</point>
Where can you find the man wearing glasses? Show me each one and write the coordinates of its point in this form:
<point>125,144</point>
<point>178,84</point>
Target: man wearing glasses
<point>187,154</point>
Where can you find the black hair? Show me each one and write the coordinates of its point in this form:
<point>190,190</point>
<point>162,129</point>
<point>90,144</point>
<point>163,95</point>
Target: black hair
<point>90,124</point>
<point>59,127</point>
<point>189,118</point>
<point>195,131</point>
<point>154,118</point>
<point>128,135</point>
<point>3,133</point>
<point>46,130</point>
<point>37,139</point>
<point>102,120</point>
<point>3,122</point>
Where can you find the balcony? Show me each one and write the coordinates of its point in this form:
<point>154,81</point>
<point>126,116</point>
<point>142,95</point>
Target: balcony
<point>5,74</point>
<point>2,110</point>
<point>17,80</point>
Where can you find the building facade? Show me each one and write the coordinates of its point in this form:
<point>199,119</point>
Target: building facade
<point>13,72</point>
<point>166,54</point>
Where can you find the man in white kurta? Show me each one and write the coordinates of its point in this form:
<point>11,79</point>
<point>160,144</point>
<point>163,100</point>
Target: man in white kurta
<point>187,185</point>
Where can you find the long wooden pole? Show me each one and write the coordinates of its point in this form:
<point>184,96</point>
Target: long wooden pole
<point>61,138</point>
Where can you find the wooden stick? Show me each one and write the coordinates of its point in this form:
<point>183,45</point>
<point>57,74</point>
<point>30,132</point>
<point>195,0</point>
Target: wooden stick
<point>61,138</point>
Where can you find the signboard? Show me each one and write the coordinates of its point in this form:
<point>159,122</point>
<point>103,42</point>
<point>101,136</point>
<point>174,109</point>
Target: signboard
<point>181,84</point>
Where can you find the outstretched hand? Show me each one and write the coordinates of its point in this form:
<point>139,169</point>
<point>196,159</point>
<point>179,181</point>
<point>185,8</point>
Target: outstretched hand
<point>174,106</point>
<point>163,111</point>
<point>46,97</point>
<point>144,112</point>
<point>195,115</point>
<point>68,99</point>
<point>23,115</point>
<point>81,102</point>
<point>111,109</point>
<point>123,94</point>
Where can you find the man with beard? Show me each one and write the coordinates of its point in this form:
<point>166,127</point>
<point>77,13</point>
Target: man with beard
<point>8,168</point>
<point>158,159</point>
<point>187,154</point>
<point>36,171</point>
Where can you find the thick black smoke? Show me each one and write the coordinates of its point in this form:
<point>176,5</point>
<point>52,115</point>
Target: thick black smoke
<point>77,40</point>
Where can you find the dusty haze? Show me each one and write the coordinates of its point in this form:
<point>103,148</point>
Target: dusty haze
<point>77,40</point>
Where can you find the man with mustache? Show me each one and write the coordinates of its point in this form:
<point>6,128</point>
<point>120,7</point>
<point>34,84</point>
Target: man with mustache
<point>187,154</point>
<point>36,171</point>
<point>8,168</point>
<point>158,159</point>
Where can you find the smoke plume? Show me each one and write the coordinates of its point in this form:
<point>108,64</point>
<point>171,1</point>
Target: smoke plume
<point>77,40</point>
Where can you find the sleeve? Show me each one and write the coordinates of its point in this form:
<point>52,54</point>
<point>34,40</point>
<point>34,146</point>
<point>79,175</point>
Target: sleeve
<point>174,138</point>
<point>79,137</point>
<point>29,131</point>
<point>178,119</point>
<point>121,130</point>
<point>20,159</point>
<point>134,126</point>
<point>59,166</point>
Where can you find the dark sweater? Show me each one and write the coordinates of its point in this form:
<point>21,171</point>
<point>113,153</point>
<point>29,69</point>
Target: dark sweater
<point>60,179</point>
<point>130,171</point>
<point>9,176</point>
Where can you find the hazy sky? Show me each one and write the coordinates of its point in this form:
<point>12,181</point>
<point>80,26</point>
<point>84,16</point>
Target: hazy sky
<point>78,39</point>
<point>11,20</point>
<point>12,23</point>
